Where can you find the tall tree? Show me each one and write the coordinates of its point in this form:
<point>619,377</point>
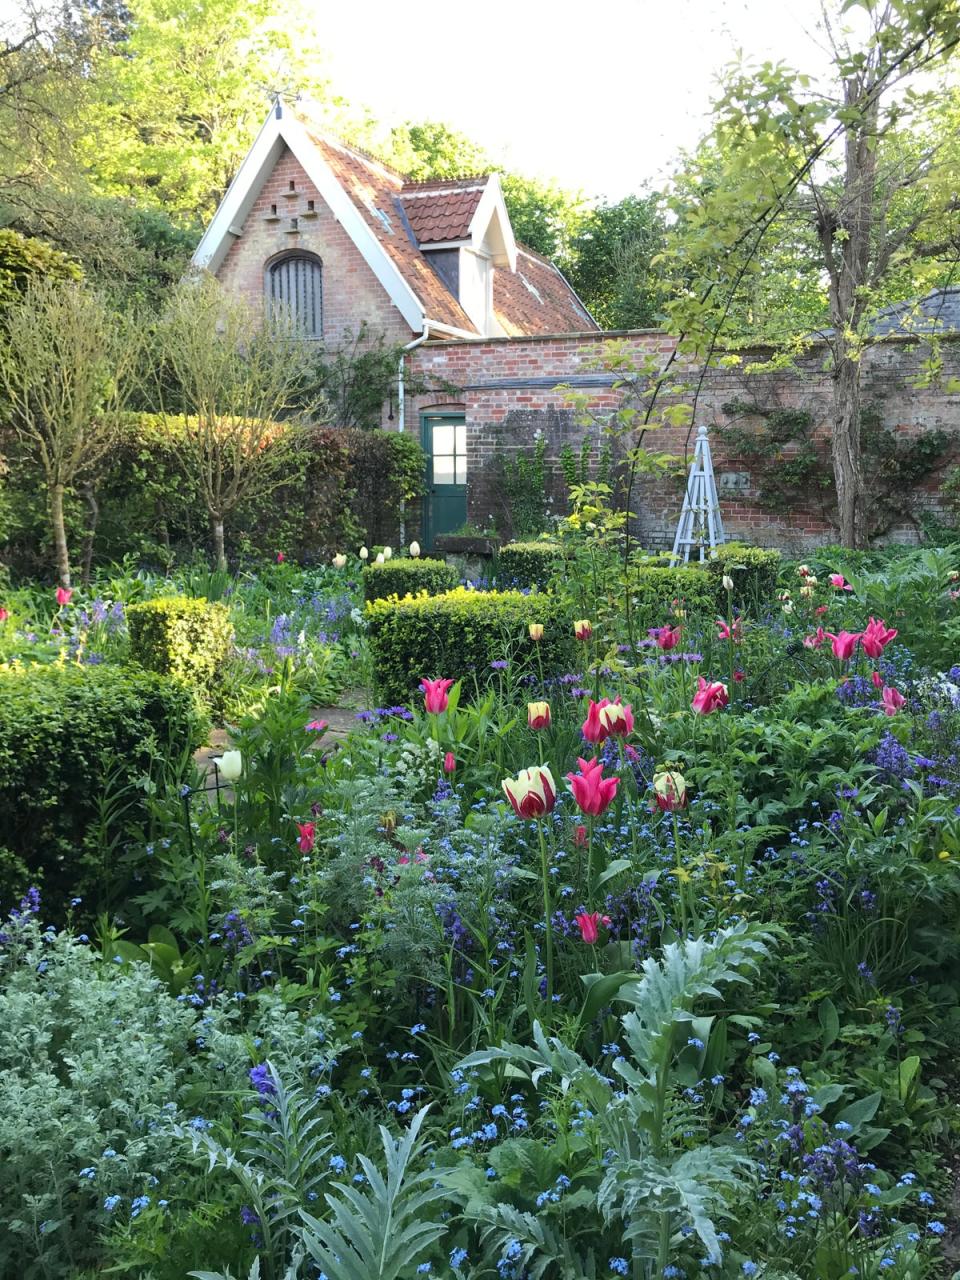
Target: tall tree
<point>612,262</point>
<point>66,363</point>
<point>856,169</point>
<point>238,384</point>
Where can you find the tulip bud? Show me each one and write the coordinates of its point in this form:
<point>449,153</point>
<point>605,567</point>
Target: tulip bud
<point>806,591</point>
<point>538,715</point>
<point>536,630</point>
<point>449,762</point>
<point>387,552</point>
<point>364,553</point>
<point>415,549</point>
<point>669,790</point>
<point>339,560</point>
<point>727,582</point>
<point>583,629</point>
<point>229,765</point>
<point>379,559</point>
<point>787,606</point>
<point>580,837</point>
<point>811,580</point>
<point>803,570</point>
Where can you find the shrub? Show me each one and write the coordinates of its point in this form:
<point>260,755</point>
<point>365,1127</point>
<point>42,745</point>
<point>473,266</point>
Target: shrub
<point>22,259</point>
<point>74,745</point>
<point>408,577</point>
<point>754,571</point>
<point>178,636</point>
<point>654,590</point>
<point>459,634</point>
<point>385,468</point>
<point>528,564</point>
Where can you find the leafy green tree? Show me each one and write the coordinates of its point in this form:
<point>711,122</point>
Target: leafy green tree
<point>856,179</point>
<point>66,363</point>
<point>612,262</point>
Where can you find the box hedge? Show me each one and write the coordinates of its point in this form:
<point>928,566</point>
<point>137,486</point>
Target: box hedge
<point>754,571</point>
<point>408,577</point>
<point>74,744</point>
<point>460,634</point>
<point>187,639</point>
<point>528,564</point>
<point>654,591</point>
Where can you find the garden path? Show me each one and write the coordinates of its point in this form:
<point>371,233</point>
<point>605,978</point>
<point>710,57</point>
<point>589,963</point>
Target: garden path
<point>341,721</point>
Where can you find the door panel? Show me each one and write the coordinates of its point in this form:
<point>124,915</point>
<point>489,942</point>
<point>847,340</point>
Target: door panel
<point>445,443</point>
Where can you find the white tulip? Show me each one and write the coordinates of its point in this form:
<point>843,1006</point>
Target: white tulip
<point>727,582</point>
<point>387,552</point>
<point>379,559</point>
<point>414,549</point>
<point>364,553</point>
<point>339,560</point>
<point>230,765</point>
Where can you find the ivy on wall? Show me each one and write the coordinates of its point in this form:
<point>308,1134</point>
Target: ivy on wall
<point>791,468</point>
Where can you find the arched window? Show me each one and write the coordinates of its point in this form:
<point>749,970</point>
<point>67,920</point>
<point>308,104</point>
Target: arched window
<point>295,286</point>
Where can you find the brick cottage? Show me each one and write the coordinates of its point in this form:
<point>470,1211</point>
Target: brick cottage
<point>343,242</point>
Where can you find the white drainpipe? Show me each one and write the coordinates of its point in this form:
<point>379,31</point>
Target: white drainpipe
<point>411,346</point>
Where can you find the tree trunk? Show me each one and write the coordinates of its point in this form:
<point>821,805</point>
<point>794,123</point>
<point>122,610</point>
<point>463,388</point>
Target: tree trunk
<point>847,457</point>
<point>87,556</point>
<point>61,552</point>
<point>216,533</point>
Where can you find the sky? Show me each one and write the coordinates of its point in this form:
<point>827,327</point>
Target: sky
<point>600,95</point>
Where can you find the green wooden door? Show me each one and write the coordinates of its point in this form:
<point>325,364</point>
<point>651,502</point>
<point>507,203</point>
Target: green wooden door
<point>445,444</point>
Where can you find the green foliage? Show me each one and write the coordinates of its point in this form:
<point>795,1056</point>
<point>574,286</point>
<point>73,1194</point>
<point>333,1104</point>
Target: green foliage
<point>459,634</point>
<point>23,258</point>
<point>528,564</point>
<point>385,469</point>
<point>611,262</point>
<point>525,489</point>
<point>75,745</point>
<point>186,639</point>
<point>658,592</point>
<point>754,571</point>
<point>408,578</point>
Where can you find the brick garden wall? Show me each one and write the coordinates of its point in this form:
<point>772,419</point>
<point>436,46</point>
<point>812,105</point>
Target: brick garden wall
<point>508,392</point>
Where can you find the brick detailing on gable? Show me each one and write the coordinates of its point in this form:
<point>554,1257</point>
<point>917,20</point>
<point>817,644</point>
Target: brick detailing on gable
<point>351,292</point>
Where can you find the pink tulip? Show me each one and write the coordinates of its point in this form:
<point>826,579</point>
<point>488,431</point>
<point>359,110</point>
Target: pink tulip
<point>844,644</point>
<point>63,595</point>
<point>315,726</point>
<point>532,793</point>
<point>591,790</point>
<point>435,698</point>
<point>891,700</point>
<point>669,791</point>
<point>580,836</point>
<point>710,696</point>
<point>839,581</point>
<point>734,633</point>
<point>816,640</point>
<point>4,614</point>
<point>876,636</point>
<point>308,836</point>
<point>588,923</point>
<point>667,637</point>
<point>449,763</point>
<point>280,557</point>
<point>877,679</point>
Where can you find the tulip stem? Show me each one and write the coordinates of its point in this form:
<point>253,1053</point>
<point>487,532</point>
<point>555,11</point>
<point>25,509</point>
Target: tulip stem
<point>547,921</point>
<point>681,891</point>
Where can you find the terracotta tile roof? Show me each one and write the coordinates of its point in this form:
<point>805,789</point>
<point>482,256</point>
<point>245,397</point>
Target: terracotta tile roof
<point>403,215</point>
<point>373,188</point>
<point>536,298</point>
<point>442,211</point>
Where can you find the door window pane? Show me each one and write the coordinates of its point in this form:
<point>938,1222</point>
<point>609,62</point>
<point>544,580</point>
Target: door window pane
<point>461,468</point>
<point>461,437</point>
<point>443,439</point>
<point>443,470</point>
